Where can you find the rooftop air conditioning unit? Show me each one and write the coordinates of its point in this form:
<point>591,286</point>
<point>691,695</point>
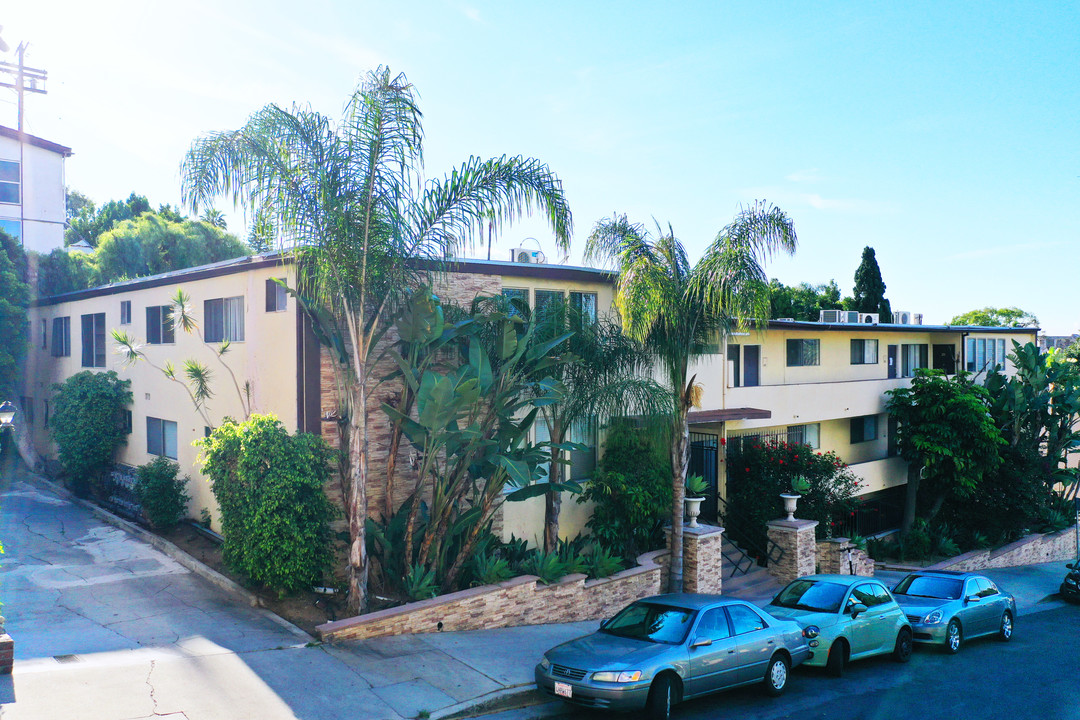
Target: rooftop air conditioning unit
<point>527,255</point>
<point>869,318</point>
<point>917,319</point>
<point>901,317</point>
<point>785,319</point>
<point>829,316</point>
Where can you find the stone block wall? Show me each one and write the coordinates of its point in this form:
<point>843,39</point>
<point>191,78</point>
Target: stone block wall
<point>839,556</point>
<point>1052,547</point>
<point>702,560</point>
<point>796,539</point>
<point>519,601</point>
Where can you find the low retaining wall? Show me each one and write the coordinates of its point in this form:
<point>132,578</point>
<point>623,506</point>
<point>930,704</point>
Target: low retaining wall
<point>1052,547</point>
<point>839,556</point>
<point>520,601</point>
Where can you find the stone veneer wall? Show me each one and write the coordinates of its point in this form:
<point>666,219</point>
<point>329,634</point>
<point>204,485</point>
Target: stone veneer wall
<point>702,559</point>
<point>833,557</point>
<point>1052,547</point>
<point>519,601</point>
<point>796,539</point>
<point>459,288</point>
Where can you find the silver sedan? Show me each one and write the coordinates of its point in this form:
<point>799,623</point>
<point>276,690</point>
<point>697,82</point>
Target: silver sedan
<point>668,648</point>
<point>946,608</point>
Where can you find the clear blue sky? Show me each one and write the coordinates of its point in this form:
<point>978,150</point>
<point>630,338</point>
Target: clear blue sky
<point>945,135</point>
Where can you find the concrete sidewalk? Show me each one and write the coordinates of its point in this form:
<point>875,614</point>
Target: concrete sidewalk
<point>108,626</point>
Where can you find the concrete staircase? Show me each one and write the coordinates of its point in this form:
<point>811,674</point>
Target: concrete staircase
<point>750,581</point>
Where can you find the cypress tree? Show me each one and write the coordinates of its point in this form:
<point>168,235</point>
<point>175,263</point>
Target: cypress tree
<point>870,288</point>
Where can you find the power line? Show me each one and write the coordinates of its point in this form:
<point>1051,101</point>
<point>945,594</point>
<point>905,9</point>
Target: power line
<point>23,79</point>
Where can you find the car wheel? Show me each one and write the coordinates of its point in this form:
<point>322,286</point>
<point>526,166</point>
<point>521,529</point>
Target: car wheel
<point>661,698</point>
<point>954,635</point>
<point>776,676</point>
<point>1005,631</point>
<point>902,650</point>
<point>837,659</point>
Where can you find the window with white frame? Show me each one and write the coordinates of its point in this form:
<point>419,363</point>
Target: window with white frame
<point>584,304</point>
<point>864,352</point>
<point>276,296</point>
<point>10,182</point>
<point>159,325</point>
<point>44,333</point>
<point>912,357</point>
<point>125,312</point>
<point>809,434</point>
<point>984,354</point>
<point>863,429</point>
<point>93,340</point>
<point>161,437</point>
<point>224,319</point>
<point>61,337</point>
<point>803,351</point>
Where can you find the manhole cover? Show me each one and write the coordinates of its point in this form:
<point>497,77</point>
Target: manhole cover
<point>66,658</point>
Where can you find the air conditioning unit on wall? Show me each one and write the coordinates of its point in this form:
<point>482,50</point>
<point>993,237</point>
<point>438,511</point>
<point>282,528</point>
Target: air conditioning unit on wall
<point>527,255</point>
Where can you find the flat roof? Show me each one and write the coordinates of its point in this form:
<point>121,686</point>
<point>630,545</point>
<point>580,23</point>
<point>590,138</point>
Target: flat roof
<point>35,141</point>
<point>892,327</point>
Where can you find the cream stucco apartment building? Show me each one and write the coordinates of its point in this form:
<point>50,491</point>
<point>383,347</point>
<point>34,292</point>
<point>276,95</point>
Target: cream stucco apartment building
<point>821,383</point>
<point>32,199</point>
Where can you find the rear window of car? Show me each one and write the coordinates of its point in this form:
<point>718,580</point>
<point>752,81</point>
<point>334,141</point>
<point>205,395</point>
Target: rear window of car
<point>930,587</point>
<point>651,622</point>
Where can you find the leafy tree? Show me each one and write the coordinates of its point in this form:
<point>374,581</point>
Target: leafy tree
<point>275,516</point>
<point>996,317</point>
<point>869,295</point>
<point>88,426</point>
<point>150,244</point>
<point>89,223</point>
<point>947,436</point>
<point>631,490</point>
<point>14,300</point>
<point>76,204</point>
<point>352,196</point>
<point>803,301</point>
<point>608,376</point>
<point>62,272</point>
<point>675,308</point>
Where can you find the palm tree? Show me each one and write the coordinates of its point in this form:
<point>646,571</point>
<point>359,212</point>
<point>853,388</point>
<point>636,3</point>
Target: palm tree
<point>351,199</point>
<point>675,309</point>
<point>607,377</point>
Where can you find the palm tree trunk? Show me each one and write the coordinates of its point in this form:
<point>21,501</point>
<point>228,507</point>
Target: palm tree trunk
<point>679,461</point>
<point>553,499</point>
<point>358,446</point>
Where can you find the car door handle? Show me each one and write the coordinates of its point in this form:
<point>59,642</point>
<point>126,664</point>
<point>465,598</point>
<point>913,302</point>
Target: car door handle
<point>771,642</point>
<point>730,652</point>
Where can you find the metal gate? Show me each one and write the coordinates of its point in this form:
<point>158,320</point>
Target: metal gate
<point>704,456</point>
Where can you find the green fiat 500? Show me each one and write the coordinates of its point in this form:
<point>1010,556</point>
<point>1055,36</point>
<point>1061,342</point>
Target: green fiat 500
<point>844,617</point>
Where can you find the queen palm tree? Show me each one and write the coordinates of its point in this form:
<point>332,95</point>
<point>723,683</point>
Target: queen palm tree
<point>675,309</point>
<point>365,227</point>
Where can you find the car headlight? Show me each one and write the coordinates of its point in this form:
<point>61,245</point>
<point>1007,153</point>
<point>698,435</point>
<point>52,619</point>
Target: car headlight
<point>545,663</point>
<point>617,677</point>
<point>811,631</point>
<point>933,618</point>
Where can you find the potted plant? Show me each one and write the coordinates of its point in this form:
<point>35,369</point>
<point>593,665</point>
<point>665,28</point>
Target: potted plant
<point>799,485</point>
<point>696,487</point>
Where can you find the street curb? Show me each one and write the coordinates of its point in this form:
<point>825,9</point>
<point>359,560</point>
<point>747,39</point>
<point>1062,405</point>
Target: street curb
<point>476,703</point>
<point>172,551</point>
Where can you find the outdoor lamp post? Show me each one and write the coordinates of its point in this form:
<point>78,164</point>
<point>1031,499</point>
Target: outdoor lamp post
<point>7,414</point>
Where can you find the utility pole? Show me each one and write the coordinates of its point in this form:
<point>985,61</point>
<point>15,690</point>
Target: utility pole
<point>24,79</point>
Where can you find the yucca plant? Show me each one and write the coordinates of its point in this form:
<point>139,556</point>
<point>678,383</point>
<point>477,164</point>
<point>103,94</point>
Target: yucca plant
<point>547,567</point>
<point>490,569</point>
<point>602,563</point>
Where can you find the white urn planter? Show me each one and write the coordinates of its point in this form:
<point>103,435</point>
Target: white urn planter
<point>693,509</point>
<point>790,501</point>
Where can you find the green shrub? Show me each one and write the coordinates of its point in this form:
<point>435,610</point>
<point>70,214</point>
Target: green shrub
<point>88,426</point>
<point>917,543</point>
<point>161,492</point>
<point>602,564</point>
<point>274,514</point>
<point>490,569</point>
<point>420,585</point>
<point>546,567</point>
<point>630,491</point>
<point>758,473</point>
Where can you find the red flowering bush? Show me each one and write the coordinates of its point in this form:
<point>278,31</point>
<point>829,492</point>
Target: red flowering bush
<point>757,474</point>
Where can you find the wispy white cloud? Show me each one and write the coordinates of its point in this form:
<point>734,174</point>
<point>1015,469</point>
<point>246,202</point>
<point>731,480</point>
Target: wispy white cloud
<point>808,175</point>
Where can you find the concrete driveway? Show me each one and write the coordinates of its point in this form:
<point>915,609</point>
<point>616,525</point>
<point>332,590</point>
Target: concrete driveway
<point>105,626</point>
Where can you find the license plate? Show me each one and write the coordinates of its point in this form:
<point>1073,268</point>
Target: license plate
<point>564,690</point>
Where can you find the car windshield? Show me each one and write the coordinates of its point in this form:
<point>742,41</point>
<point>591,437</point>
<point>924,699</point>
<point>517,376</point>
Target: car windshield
<point>931,587</point>
<point>651,622</point>
<point>815,596</point>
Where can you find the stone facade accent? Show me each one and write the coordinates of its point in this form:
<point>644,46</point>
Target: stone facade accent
<point>7,654</point>
<point>838,556</point>
<point>796,539</point>
<point>519,601</point>
<point>702,571</point>
<point>1052,547</point>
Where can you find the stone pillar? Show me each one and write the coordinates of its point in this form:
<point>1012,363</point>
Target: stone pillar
<point>7,654</point>
<point>702,571</point>
<point>796,539</point>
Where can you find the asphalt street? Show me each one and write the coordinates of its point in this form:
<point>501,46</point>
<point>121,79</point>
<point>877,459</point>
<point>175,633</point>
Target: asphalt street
<point>1036,676</point>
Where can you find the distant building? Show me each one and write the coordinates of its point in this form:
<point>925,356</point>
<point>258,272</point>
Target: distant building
<point>32,200</point>
<point>1057,341</point>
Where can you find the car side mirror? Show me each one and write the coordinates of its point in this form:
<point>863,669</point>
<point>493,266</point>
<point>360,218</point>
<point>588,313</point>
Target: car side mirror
<point>857,609</point>
<point>1072,566</point>
<point>700,642</point>
<point>972,598</point>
